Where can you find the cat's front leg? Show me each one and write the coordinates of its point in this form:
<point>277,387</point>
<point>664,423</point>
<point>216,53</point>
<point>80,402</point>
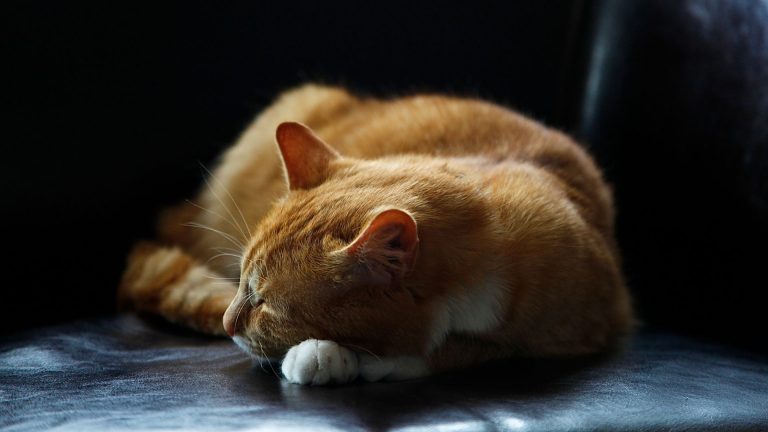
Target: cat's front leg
<point>374,368</point>
<point>320,362</point>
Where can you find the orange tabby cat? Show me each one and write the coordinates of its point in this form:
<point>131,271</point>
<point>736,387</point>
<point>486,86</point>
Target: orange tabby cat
<point>388,239</point>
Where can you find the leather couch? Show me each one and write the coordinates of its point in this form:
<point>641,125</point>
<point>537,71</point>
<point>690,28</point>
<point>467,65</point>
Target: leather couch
<point>124,373</point>
<point>671,97</point>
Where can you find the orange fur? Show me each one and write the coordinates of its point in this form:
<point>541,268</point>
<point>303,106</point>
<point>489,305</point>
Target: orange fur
<point>487,210</point>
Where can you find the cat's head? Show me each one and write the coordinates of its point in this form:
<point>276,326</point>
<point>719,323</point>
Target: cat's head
<point>331,260</point>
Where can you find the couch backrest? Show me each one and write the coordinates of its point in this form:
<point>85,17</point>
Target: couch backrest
<point>675,106</point>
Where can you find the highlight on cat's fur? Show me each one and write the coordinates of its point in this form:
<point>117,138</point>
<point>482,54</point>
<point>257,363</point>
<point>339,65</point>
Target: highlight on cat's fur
<point>388,239</point>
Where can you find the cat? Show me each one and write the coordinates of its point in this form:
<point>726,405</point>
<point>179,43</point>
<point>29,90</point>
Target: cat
<point>390,239</point>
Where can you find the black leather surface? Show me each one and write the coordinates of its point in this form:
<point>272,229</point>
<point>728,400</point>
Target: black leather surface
<point>123,373</point>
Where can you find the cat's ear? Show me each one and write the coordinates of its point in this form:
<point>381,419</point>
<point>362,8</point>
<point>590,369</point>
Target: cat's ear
<point>305,156</point>
<point>386,249</point>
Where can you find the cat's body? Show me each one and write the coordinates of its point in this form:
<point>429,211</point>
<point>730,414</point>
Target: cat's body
<point>449,232</point>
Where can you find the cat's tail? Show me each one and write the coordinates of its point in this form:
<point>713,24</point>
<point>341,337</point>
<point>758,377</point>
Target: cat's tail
<point>167,282</point>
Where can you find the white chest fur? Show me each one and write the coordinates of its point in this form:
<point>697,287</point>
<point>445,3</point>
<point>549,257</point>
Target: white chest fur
<point>473,310</point>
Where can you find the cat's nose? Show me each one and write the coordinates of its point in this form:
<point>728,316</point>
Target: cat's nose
<point>235,315</point>
<point>229,326</point>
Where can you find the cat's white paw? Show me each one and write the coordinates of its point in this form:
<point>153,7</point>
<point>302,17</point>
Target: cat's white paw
<point>318,362</point>
<point>391,368</point>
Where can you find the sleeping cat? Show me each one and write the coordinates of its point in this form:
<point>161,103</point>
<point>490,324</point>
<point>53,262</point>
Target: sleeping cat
<point>390,239</point>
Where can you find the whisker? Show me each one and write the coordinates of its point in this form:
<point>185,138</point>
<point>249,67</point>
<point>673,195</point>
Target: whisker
<point>264,354</point>
<point>224,254</point>
<point>231,198</point>
<point>225,249</point>
<point>218,215</point>
<point>363,349</point>
<point>242,306</point>
<point>232,217</point>
<point>240,256</point>
<point>222,283</point>
<point>260,359</point>
<point>223,234</point>
<point>216,275</point>
<point>231,279</point>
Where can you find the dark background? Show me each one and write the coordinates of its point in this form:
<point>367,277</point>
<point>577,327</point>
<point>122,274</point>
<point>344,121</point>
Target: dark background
<point>111,109</point>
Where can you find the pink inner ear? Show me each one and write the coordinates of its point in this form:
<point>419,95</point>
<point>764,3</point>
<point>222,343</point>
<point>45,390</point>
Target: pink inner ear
<point>389,242</point>
<point>305,156</point>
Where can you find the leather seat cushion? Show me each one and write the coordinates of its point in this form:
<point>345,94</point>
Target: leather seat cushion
<point>128,373</point>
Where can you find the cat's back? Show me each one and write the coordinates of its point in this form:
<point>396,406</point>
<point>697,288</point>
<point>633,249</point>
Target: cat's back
<point>447,126</point>
<point>250,172</point>
<point>429,124</point>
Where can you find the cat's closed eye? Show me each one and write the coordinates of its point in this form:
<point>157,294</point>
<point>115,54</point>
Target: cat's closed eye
<point>255,298</point>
